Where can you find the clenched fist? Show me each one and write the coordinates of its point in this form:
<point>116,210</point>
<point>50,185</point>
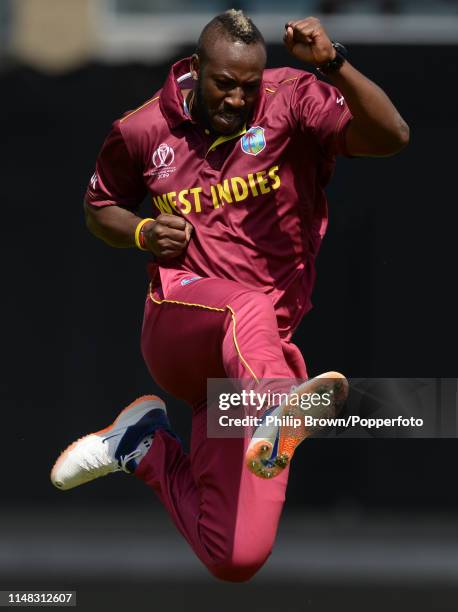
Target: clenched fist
<point>307,40</point>
<point>167,236</point>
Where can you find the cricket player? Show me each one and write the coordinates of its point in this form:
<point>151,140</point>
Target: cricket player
<point>235,158</point>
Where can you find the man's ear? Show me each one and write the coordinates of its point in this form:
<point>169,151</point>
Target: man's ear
<point>195,67</point>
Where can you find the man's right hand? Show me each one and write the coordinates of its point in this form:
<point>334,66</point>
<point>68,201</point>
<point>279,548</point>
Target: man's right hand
<point>168,236</point>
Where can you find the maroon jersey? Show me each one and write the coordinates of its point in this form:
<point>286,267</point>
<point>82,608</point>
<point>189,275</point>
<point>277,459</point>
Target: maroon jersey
<point>256,199</point>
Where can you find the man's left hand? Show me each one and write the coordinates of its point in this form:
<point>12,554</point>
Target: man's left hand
<point>307,40</point>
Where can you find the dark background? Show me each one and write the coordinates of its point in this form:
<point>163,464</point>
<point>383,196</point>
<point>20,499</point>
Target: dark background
<point>384,301</point>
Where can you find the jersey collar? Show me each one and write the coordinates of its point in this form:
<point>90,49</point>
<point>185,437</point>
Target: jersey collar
<point>171,100</point>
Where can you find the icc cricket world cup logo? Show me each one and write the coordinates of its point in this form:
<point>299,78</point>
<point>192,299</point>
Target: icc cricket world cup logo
<point>163,156</point>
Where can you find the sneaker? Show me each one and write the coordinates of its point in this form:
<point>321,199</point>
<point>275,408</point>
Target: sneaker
<point>118,447</point>
<point>275,440</point>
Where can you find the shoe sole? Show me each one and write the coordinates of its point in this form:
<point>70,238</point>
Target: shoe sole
<point>129,411</point>
<point>258,456</point>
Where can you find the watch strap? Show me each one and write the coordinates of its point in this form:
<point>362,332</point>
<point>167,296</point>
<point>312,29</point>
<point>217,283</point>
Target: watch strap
<point>335,64</point>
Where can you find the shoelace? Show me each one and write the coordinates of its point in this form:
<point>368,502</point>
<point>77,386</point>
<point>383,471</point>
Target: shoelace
<point>104,464</point>
<point>123,461</point>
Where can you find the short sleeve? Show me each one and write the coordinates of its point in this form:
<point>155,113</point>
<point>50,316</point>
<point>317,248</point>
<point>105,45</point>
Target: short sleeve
<point>321,110</point>
<point>117,180</point>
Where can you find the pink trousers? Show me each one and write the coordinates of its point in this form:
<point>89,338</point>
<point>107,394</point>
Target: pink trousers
<point>213,328</point>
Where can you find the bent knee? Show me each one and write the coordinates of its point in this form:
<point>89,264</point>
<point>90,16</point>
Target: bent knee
<point>258,301</point>
<point>239,569</point>
<point>253,308</point>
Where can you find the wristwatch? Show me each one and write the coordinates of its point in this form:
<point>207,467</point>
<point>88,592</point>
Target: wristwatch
<point>335,64</point>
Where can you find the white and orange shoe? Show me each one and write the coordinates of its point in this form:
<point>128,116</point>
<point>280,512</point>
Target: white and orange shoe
<point>284,427</point>
<point>118,447</point>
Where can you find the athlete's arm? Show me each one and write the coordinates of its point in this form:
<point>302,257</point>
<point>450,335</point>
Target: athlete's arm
<point>376,128</point>
<point>166,237</point>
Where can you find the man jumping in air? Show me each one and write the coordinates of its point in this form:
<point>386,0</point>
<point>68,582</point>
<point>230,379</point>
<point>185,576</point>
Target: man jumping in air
<point>235,158</point>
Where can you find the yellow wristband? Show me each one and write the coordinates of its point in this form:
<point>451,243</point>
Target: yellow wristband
<point>138,229</point>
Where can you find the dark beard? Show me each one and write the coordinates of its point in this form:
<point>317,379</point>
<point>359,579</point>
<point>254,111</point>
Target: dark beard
<point>199,110</point>
<point>200,113</point>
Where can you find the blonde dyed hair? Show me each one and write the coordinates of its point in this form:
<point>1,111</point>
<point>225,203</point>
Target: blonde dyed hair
<point>234,25</point>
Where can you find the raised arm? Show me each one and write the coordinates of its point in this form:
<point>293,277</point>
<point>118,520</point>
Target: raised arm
<point>377,128</point>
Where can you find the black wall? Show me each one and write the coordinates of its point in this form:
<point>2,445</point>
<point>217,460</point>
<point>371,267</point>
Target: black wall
<point>72,308</point>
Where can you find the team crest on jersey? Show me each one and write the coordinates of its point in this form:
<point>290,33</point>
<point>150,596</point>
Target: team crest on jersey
<point>253,141</point>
